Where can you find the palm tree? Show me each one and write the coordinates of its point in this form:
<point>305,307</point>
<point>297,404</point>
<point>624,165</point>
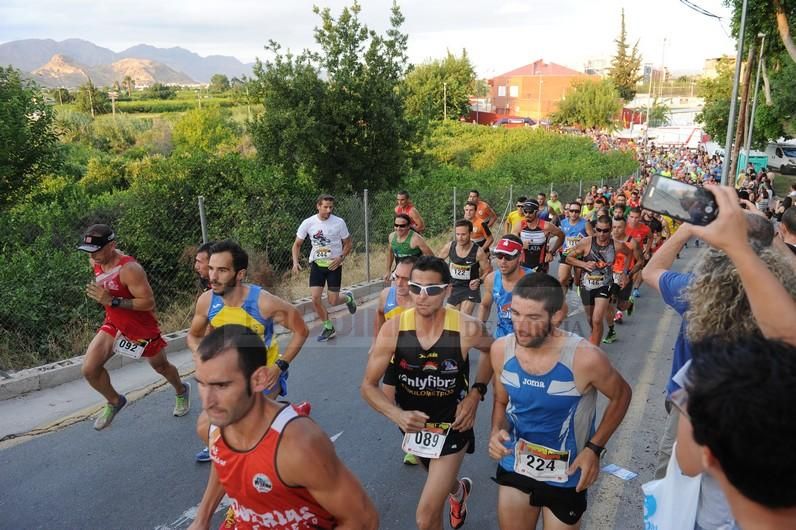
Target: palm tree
<point>129,83</point>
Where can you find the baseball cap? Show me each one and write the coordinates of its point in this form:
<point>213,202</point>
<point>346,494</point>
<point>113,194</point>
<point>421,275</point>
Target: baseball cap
<point>508,246</point>
<point>96,237</point>
<point>531,204</point>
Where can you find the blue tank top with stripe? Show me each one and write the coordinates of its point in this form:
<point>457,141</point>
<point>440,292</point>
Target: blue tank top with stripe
<point>572,233</point>
<point>248,314</point>
<point>547,409</point>
<point>502,300</point>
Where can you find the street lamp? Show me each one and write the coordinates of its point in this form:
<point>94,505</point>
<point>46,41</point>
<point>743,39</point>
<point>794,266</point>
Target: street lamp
<point>725,168</point>
<point>751,124</point>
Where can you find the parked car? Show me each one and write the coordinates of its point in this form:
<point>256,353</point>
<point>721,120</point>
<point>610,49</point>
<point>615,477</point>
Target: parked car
<point>781,157</point>
<point>511,121</point>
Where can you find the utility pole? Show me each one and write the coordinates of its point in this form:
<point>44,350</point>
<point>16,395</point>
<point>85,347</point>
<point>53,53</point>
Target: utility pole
<point>725,168</point>
<point>739,129</point>
<point>751,121</point>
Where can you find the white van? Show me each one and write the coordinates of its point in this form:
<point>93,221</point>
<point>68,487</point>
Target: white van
<point>781,157</point>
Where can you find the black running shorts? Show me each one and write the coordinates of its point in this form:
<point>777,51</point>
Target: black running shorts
<point>565,503</point>
<point>320,276</point>
<point>589,296</point>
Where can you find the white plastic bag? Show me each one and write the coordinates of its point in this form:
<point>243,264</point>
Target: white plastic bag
<point>671,502</point>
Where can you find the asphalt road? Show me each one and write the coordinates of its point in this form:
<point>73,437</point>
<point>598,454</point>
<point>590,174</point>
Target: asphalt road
<point>140,473</point>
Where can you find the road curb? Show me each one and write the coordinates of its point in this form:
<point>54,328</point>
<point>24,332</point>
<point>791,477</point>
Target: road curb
<point>60,372</point>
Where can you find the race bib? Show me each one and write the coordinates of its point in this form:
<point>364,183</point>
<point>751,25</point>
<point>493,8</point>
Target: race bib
<point>540,463</point>
<point>427,443</point>
<point>593,280</point>
<point>460,272</point>
<point>618,276</point>
<point>571,242</point>
<point>323,256</point>
<point>129,347</point>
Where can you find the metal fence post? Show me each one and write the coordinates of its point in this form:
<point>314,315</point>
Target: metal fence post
<point>511,193</point>
<point>454,205</point>
<point>367,236</point>
<point>203,218</point>
<point>580,188</point>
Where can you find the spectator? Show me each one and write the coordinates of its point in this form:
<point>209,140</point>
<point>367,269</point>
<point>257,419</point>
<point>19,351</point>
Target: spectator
<point>787,228</point>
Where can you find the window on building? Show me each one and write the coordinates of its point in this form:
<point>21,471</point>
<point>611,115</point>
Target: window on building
<point>514,91</point>
<point>501,91</point>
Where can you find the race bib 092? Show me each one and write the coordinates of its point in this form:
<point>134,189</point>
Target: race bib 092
<point>128,347</point>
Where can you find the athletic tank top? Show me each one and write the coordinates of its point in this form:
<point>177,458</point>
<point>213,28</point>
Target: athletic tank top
<point>251,480</point>
<point>219,314</point>
<point>548,409</point>
<point>604,257</point>
<point>433,380</point>
<point>404,248</point>
<point>136,325</point>
<point>391,307</point>
<point>502,301</point>
<point>619,261</point>
<point>463,269</point>
<point>572,233</point>
<point>533,256</point>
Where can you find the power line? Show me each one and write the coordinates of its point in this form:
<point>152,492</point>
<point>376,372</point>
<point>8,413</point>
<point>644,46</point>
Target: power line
<point>699,9</point>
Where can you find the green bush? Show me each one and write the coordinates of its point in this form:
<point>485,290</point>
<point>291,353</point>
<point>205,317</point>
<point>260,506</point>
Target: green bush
<point>174,105</point>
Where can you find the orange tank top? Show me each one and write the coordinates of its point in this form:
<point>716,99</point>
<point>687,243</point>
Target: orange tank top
<point>259,497</point>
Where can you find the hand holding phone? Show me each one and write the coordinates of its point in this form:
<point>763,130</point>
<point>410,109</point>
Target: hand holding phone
<point>681,201</point>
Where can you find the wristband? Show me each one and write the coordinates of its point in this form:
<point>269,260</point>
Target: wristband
<point>481,387</point>
<point>282,364</point>
<point>116,302</point>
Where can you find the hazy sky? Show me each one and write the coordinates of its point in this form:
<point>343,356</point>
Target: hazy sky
<point>499,35</point>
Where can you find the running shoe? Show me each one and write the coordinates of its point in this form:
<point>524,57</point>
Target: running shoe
<point>203,455</point>
<point>410,459</point>
<point>630,308</point>
<point>109,412</point>
<point>303,409</point>
<point>458,509</point>
<point>182,403</point>
<point>326,334</point>
<point>350,301</point>
<point>611,337</point>
<point>618,317</point>
<point>636,294</point>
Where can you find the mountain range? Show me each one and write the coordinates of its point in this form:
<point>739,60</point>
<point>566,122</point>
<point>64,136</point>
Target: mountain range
<point>30,55</point>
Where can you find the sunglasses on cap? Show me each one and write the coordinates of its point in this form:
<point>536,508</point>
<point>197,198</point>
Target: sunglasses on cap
<point>529,209</point>
<point>429,290</point>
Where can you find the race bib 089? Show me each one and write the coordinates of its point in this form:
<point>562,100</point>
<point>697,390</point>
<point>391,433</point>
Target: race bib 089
<point>427,443</point>
<point>128,347</point>
<point>540,463</point>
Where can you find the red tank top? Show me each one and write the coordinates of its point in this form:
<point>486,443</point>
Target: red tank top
<point>136,325</point>
<point>259,497</point>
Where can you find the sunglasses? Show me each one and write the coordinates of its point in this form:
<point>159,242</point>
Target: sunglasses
<point>502,256</point>
<point>602,230</point>
<point>529,210</point>
<point>589,203</point>
<point>429,290</point>
<point>401,225</point>
<point>574,211</point>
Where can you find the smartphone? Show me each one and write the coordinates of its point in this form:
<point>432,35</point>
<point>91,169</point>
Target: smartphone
<point>679,200</point>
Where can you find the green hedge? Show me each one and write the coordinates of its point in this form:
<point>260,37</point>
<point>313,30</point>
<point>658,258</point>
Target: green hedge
<point>173,105</point>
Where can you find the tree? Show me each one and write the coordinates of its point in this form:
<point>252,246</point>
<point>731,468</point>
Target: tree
<point>204,130</point>
<point>716,92</point>
<point>92,100</point>
<point>129,84</point>
<point>625,66</point>
<point>660,114</point>
<point>27,138</point>
<point>346,130</point>
<point>160,91</point>
<point>61,95</point>
<point>591,104</point>
<point>219,83</point>
<point>427,84</point>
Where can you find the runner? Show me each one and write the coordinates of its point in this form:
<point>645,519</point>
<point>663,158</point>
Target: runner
<point>130,327</point>
<point>468,265</point>
<point>596,256</point>
<point>623,270</point>
<point>484,212</point>
<point>543,433</point>
<point>575,228</point>
<point>429,345</point>
<point>555,205</point>
<point>544,210</point>
<point>535,235</point>
<point>587,210</point>
<point>404,242</point>
<point>643,236</point>
<point>200,265</point>
<point>515,217</point>
<point>403,205</point>
<point>278,468</point>
<point>498,284</point>
<point>331,243</point>
<point>481,234</point>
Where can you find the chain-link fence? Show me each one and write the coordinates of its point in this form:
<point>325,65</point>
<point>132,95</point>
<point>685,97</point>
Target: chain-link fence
<point>45,315</point>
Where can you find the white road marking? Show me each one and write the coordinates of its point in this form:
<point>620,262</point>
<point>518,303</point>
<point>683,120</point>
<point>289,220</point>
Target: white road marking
<point>336,436</point>
<point>190,514</point>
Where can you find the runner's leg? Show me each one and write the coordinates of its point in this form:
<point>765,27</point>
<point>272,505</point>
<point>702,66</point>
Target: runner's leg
<point>551,522</point>
<point>467,307</point>
<point>161,365</point>
<point>98,352</point>
<point>317,303</point>
<point>514,510</point>
<point>442,480</point>
<point>598,316</point>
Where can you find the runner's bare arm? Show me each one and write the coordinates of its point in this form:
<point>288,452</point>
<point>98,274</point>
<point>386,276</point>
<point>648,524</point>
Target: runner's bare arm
<point>553,230</point>
<point>577,252</point>
<point>593,369</point>
<point>589,229</point>
<point>286,315</point>
<point>486,298</point>
<point>489,237</point>
<point>445,250</point>
<point>663,260</point>
<point>422,245</point>
<point>415,216</point>
<point>498,434</point>
<point>483,261</point>
<point>199,322</point>
<point>517,229</point>
<point>294,251</point>
<point>390,257</point>
<point>134,277</point>
<point>214,491</point>
<point>378,322</point>
<point>636,251</point>
<point>307,458</point>
<point>379,359</point>
<point>474,335</point>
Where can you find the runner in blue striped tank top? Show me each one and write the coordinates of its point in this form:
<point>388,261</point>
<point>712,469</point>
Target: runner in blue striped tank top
<point>543,424</point>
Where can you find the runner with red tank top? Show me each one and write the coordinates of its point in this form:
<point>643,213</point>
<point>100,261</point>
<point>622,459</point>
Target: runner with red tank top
<point>535,235</point>
<point>278,468</point>
<point>130,327</point>
<point>625,266</point>
<point>643,236</point>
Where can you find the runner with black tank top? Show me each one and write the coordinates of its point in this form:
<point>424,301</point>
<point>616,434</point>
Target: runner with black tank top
<point>535,235</point>
<point>434,408</point>
<point>596,255</point>
<point>468,264</point>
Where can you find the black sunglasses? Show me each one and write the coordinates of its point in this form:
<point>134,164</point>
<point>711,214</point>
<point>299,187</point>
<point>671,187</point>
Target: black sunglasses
<point>501,256</point>
<point>529,210</point>
<point>574,211</point>
<point>397,225</point>
<point>603,230</point>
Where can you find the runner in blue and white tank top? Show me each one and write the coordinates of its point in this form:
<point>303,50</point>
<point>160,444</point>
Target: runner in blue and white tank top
<point>498,284</point>
<point>575,228</point>
<point>543,424</point>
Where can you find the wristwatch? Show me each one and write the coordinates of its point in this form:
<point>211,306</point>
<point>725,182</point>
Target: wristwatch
<point>596,448</point>
<point>282,364</point>
<point>481,387</point>
<point>115,302</point>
